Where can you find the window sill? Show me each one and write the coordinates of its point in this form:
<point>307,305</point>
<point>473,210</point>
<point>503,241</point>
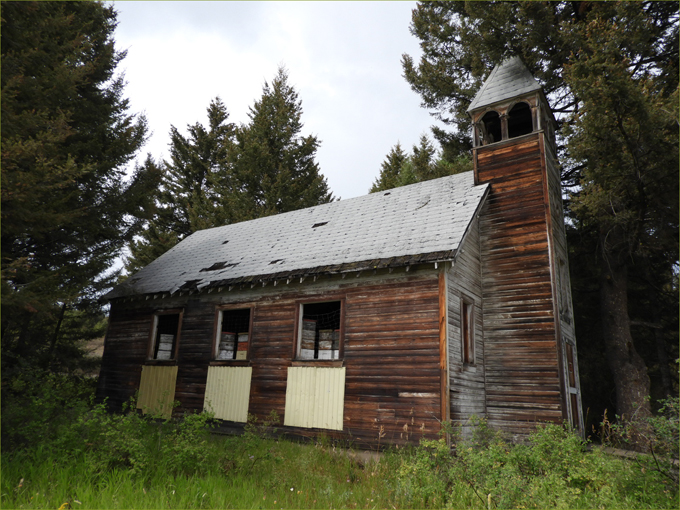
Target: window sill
<point>230,363</point>
<point>317,363</point>
<point>161,362</point>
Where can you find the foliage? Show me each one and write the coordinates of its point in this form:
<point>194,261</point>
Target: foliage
<point>656,435</point>
<point>221,174</point>
<point>74,453</point>
<point>195,191</point>
<point>553,469</point>
<point>67,138</point>
<point>273,165</point>
<point>424,163</point>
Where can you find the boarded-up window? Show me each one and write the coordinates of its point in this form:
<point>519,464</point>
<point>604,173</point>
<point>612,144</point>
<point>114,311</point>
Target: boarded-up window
<point>227,392</point>
<point>467,331</point>
<point>157,390</point>
<point>233,334</point>
<point>315,397</point>
<point>165,333</point>
<point>319,331</point>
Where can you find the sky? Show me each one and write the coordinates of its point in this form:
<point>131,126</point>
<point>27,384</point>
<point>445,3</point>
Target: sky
<point>343,59</point>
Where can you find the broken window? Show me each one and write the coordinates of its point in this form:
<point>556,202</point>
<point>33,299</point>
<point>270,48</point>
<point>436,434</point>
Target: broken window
<point>319,332</point>
<point>492,127</point>
<point>467,331</point>
<point>165,335</point>
<point>519,120</point>
<point>233,334</point>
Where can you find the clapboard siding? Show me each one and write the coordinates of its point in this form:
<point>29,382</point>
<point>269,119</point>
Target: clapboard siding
<point>391,351</point>
<point>520,347</point>
<point>466,381</point>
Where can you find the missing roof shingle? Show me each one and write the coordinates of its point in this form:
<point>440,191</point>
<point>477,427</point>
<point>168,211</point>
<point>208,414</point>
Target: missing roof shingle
<point>219,265</point>
<point>276,261</point>
<point>225,242</point>
<point>321,224</point>
<point>388,193</point>
<point>423,202</point>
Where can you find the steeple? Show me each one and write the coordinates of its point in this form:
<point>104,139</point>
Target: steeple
<point>523,245</point>
<point>511,103</point>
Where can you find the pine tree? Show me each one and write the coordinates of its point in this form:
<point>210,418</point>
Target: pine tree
<point>195,190</point>
<point>273,166</point>
<point>67,206</point>
<point>390,170</point>
<point>424,163</point>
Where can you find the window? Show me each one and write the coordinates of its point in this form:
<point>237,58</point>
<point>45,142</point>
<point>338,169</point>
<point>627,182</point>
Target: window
<point>467,331</point>
<point>492,127</point>
<point>519,120</point>
<point>319,332</point>
<point>233,334</point>
<point>165,335</point>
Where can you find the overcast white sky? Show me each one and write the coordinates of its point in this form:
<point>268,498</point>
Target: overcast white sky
<point>343,58</point>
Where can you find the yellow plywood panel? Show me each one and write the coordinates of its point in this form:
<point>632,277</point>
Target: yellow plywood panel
<point>315,397</point>
<point>227,392</point>
<point>330,398</point>
<point>157,390</point>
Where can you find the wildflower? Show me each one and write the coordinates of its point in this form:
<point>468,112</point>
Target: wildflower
<point>292,489</point>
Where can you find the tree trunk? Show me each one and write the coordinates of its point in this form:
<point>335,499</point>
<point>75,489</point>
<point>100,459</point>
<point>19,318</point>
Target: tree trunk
<point>629,369</point>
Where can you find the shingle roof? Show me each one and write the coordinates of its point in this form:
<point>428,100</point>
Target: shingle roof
<point>509,79</point>
<point>417,223</point>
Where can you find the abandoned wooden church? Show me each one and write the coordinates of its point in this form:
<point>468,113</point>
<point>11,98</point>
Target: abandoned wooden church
<point>384,314</point>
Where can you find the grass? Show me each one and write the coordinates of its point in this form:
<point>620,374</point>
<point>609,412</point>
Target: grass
<point>67,453</point>
<point>273,473</point>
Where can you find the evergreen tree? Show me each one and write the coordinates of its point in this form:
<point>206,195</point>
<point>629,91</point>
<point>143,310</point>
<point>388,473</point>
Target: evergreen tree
<point>274,170</point>
<point>610,70</point>
<point>390,170</point>
<point>423,164</point>
<point>67,136</point>
<point>196,187</point>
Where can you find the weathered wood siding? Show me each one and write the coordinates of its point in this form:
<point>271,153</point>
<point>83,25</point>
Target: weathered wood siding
<point>464,281</point>
<point>562,283</point>
<point>391,350</point>
<point>520,348</point>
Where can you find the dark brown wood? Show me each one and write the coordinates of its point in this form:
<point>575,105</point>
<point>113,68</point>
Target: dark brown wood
<point>392,352</point>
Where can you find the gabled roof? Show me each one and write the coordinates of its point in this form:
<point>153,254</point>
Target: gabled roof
<point>423,222</point>
<point>509,79</point>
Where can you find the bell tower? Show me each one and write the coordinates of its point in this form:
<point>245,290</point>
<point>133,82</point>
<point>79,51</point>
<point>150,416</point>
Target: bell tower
<point>529,341</point>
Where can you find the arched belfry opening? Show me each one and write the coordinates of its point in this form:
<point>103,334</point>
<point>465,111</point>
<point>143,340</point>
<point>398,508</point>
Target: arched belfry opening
<point>520,120</point>
<point>492,127</point>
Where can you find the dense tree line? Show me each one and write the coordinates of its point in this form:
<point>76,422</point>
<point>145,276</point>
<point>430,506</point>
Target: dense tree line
<point>224,173</point>
<point>610,71</point>
<point>69,206</point>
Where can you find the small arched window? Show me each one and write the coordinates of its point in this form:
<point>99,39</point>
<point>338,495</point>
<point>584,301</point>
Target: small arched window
<point>492,127</point>
<point>519,120</point>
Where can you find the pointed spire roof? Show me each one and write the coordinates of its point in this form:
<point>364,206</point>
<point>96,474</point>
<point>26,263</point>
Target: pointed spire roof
<point>509,79</point>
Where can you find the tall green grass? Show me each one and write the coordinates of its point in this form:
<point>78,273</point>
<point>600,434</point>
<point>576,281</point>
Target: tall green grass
<point>84,457</point>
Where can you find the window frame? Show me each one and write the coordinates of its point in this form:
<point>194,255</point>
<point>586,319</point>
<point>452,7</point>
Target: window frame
<point>219,314</point>
<point>297,333</point>
<point>153,334</point>
<point>467,330</point>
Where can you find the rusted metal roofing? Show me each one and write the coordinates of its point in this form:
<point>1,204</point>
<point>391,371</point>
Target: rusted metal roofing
<point>509,79</point>
<point>423,222</point>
